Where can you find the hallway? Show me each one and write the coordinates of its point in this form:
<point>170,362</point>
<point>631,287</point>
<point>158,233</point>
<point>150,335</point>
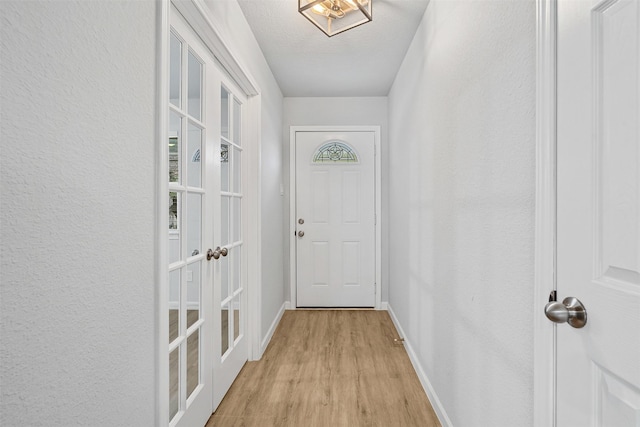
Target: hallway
<point>329,368</point>
<point>85,313</point>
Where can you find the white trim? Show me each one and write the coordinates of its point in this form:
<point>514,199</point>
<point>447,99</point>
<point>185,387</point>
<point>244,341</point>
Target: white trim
<point>422,376</point>
<point>252,190</point>
<point>202,21</point>
<point>173,305</point>
<point>272,329</point>
<point>292,204</point>
<point>384,306</point>
<point>544,348</point>
<point>293,292</point>
<point>162,218</point>
<point>287,305</point>
<point>378,178</point>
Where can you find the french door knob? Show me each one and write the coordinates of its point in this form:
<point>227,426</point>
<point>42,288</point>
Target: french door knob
<point>570,311</point>
<point>223,251</point>
<point>300,233</point>
<point>215,254</point>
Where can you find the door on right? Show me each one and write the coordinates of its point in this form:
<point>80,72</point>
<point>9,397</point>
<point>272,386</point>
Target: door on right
<point>335,219</point>
<point>598,216</point>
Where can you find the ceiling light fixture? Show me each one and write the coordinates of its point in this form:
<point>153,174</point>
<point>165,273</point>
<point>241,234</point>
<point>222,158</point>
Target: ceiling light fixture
<point>336,16</point>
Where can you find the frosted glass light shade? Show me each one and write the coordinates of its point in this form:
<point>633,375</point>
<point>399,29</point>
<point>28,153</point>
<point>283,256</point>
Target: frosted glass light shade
<point>336,16</point>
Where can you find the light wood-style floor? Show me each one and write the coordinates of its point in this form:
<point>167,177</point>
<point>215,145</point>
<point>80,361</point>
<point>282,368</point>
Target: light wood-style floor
<point>329,368</point>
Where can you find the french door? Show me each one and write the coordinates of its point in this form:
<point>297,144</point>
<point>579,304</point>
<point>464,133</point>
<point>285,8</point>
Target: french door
<point>229,297</point>
<point>207,299</point>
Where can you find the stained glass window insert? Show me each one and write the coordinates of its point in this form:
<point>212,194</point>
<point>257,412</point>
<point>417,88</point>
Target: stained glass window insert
<point>335,152</point>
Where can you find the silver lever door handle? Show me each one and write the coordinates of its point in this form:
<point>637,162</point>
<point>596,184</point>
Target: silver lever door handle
<point>570,310</point>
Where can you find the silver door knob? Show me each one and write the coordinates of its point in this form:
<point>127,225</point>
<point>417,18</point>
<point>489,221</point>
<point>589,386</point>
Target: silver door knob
<point>300,233</point>
<point>215,254</point>
<point>224,251</point>
<point>570,310</point>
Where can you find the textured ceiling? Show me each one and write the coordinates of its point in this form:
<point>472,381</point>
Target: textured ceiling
<point>360,62</point>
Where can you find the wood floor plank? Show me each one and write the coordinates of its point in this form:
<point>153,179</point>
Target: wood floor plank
<point>328,368</point>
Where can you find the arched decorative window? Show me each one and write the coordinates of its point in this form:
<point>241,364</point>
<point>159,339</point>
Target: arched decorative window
<point>335,152</point>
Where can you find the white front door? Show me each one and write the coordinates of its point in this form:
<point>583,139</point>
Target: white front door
<point>598,217</point>
<point>335,219</point>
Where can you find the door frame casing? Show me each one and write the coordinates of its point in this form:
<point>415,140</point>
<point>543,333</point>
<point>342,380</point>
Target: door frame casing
<point>161,329</point>
<point>544,331</point>
<point>204,25</point>
<point>292,206</point>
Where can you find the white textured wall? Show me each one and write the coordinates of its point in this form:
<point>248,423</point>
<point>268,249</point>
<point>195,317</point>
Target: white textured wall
<point>78,173</point>
<point>229,18</point>
<point>461,132</point>
<point>371,111</point>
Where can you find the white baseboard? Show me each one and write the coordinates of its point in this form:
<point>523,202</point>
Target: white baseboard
<point>287,305</point>
<point>426,384</point>
<point>384,306</point>
<point>272,329</point>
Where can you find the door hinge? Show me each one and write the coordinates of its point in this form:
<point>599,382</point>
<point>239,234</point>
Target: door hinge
<point>553,296</point>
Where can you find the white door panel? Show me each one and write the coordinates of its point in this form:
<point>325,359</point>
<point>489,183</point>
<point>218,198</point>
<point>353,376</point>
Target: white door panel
<point>229,296</point>
<point>190,286</point>
<point>335,200</point>
<point>598,243</point>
